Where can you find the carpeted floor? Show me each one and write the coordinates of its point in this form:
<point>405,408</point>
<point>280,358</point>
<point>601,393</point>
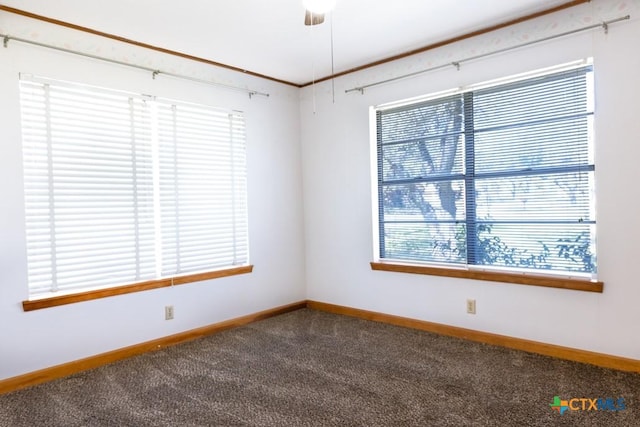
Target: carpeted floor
<point>309,368</point>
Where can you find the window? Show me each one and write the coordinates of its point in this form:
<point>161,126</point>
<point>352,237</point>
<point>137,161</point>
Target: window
<point>121,189</point>
<point>500,177</point>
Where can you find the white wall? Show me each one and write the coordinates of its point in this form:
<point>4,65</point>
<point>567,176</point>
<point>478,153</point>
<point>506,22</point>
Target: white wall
<point>38,339</point>
<point>337,188</point>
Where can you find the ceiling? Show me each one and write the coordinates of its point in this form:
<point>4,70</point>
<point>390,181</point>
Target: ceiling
<point>269,36</point>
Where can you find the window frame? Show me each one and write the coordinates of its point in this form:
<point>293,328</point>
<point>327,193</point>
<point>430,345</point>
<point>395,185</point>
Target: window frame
<point>468,270</point>
<point>40,297</point>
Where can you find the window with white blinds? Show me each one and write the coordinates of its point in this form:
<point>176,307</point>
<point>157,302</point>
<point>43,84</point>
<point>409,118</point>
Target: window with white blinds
<point>121,188</point>
<point>502,176</point>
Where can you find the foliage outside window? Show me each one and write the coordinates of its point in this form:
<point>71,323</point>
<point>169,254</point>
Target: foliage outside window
<point>123,188</point>
<point>501,176</point>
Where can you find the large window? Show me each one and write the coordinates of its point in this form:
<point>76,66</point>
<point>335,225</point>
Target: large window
<point>500,177</point>
<point>122,188</point>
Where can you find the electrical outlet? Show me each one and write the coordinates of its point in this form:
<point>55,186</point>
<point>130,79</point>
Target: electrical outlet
<point>168,312</point>
<point>471,306</point>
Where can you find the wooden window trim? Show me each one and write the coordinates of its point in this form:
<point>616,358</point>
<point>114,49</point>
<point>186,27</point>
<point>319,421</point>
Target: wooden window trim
<point>494,276</point>
<point>54,301</point>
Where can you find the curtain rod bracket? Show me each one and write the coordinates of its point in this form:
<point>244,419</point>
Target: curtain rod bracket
<point>356,89</point>
<point>456,64</point>
<point>5,41</point>
<point>253,93</point>
<point>154,74</point>
<point>605,27</point>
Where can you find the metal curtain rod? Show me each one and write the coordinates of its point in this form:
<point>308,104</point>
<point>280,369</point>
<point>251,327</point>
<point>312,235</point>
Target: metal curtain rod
<point>154,72</point>
<point>604,25</point>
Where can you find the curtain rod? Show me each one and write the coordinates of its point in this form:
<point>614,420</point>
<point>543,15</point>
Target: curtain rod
<point>604,25</point>
<point>154,72</point>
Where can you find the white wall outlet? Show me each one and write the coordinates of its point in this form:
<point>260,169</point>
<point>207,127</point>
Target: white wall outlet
<point>168,312</point>
<point>471,306</point>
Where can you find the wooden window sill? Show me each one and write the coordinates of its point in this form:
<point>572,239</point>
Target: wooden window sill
<point>54,301</point>
<point>493,276</point>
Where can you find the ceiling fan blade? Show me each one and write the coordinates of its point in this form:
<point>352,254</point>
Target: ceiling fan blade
<point>311,18</point>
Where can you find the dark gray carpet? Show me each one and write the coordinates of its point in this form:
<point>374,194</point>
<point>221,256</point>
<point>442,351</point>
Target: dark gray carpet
<point>309,368</point>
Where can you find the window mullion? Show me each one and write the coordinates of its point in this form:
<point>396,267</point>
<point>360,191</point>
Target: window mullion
<point>469,181</point>
<point>381,239</point>
<point>176,184</point>
<point>134,178</point>
<point>234,203</point>
<point>156,198</point>
<point>52,202</point>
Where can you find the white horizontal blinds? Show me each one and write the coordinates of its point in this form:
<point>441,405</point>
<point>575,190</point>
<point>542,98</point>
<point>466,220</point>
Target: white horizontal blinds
<point>202,175</point>
<point>500,176</point>
<point>534,173</point>
<point>88,187</point>
<point>421,181</point>
<point>120,189</point>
